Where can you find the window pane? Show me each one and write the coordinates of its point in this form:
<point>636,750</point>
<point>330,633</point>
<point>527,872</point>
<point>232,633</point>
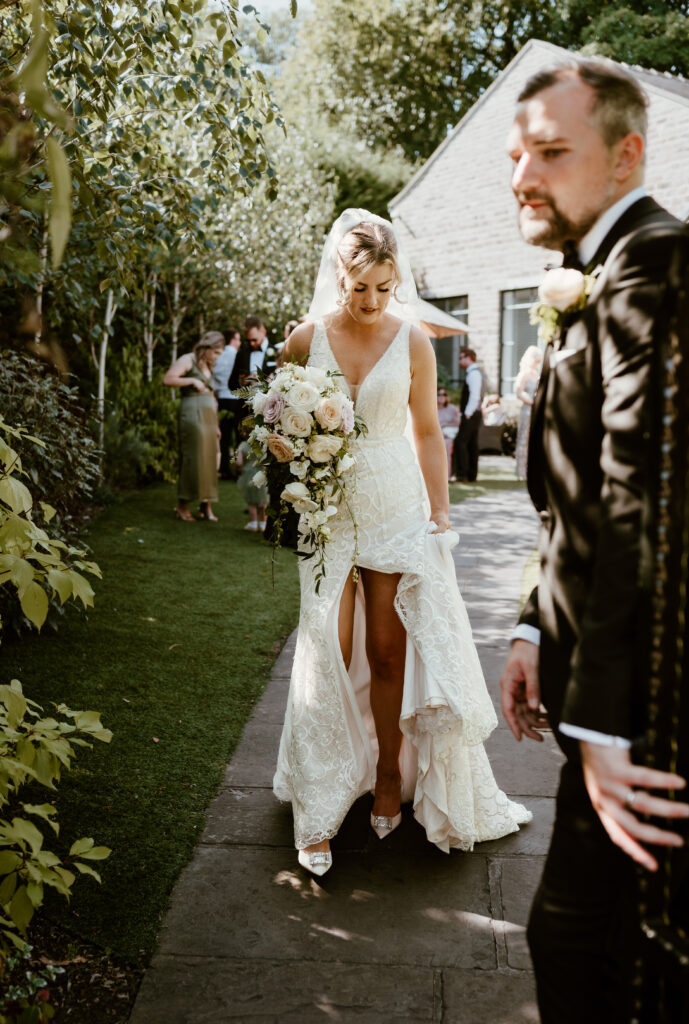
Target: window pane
<point>447,349</point>
<point>517,334</point>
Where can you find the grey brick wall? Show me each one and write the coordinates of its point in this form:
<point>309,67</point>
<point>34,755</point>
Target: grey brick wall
<point>457,219</point>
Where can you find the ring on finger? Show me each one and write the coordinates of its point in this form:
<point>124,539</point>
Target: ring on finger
<point>630,798</point>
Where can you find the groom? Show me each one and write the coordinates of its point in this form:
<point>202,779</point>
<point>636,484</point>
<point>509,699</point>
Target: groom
<point>577,146</point>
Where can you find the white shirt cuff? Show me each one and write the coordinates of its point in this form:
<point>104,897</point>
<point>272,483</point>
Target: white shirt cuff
<point>590,736</point>
<point>525,632</point>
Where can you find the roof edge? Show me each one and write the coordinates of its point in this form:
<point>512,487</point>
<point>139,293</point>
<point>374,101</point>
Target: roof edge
<point>422,171</point>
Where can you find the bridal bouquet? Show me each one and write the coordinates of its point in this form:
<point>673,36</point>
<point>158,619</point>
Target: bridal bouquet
<point>303,426</point>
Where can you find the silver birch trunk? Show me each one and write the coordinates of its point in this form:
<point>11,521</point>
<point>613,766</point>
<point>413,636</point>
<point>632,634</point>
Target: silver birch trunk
<point>110,310</point>
<point>149,319</point>
<point>42,278</point>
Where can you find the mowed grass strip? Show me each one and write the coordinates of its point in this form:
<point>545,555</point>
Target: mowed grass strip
<point>175,654</point>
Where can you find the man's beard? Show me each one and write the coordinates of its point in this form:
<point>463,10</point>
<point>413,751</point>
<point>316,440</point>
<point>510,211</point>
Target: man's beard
<point>553,232</point>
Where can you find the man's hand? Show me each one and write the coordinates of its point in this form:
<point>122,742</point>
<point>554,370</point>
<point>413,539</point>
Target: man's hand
<point>520,693</point>
<point>619,791</point>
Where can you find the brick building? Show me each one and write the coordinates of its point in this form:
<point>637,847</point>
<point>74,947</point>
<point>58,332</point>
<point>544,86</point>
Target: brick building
<point>457,217</point>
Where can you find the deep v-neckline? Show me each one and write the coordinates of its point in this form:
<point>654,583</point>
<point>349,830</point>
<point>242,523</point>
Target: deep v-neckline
<point>377,363</point>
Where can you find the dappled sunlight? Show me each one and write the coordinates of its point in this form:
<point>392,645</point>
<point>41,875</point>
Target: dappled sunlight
<point>307,888</point>
<point>478,922</point>
<point>341,933</point>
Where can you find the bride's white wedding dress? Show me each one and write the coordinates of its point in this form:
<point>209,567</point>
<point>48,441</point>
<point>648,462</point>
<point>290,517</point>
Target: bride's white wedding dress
<point>328,749</point>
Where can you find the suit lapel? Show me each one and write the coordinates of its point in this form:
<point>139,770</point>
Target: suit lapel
<point>642,209</point>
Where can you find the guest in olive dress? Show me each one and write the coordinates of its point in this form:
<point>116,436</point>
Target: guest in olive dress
<point>198,426</point>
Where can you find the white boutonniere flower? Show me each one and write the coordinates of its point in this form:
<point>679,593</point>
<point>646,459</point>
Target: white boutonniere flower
<point>562,291</point>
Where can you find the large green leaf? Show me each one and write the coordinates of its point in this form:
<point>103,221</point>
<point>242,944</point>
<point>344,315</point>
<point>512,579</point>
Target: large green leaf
<point>15,494</point>
<point>34,602</point>
<point>21,909</point>
<point>60,209</point>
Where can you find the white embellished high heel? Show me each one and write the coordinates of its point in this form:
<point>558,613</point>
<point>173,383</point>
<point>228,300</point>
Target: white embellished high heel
<point>383,825</point>
<point>317,863</point>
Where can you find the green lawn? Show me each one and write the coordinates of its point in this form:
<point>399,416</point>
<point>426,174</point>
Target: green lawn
<point>495,473</point>
<point>175,654</point>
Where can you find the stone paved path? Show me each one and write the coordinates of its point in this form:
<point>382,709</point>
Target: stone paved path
<point>396,931</point>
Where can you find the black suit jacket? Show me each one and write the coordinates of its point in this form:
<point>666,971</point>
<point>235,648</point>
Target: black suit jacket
<point>242,363</point>
<point>592,456</point>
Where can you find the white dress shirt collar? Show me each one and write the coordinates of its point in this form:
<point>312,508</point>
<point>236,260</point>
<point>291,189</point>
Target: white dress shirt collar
<point>588,246</point>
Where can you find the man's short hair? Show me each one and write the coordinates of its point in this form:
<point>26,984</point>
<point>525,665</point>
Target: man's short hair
<point>620,104</point>
<point>468,352</point>
<point>252,321</point>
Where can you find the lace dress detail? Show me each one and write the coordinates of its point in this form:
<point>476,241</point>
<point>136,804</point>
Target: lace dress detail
<point>328,749</point>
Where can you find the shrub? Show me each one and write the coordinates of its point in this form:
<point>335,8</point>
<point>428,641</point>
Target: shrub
<point>33,747</point>
<point>64,470</point>
<point>140,425</point>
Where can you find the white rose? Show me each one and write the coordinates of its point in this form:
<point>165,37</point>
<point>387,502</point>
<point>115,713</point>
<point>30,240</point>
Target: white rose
<point>304,396</point>
<point>258,402</point>
<point>298,494</point>
<point>296,422</point>
<point>299,469</point>
<point>329,412</point>
<point>344,464</point>
<point>259,479</point>
<point>561,288</point>
<point>322,448</point>
<point>316,375</point>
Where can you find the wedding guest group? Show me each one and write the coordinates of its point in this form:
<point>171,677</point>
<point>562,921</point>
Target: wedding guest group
<point>465,453</point>
<point>583,643</point>
<point>198,429</point>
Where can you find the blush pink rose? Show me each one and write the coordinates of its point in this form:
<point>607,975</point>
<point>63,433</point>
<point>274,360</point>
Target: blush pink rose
<point>280,447</point>
<point>274,407</point>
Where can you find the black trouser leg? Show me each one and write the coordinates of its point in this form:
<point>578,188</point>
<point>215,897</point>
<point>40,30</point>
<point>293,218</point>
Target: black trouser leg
<point>225,422</point>
<point>466,447</point>
<point>583,930</point>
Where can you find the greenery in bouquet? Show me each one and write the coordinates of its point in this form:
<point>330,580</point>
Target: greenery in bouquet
<point>304,424</point>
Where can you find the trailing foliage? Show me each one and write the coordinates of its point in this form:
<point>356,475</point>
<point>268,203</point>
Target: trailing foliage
<point>33,747</point>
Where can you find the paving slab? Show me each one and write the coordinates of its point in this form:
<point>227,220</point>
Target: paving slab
<point>494,998</point>
<point>256,903</point>
<point>397,931</point>
<point>518,882</point>
<point>527,767</point>
<point>216,991</point>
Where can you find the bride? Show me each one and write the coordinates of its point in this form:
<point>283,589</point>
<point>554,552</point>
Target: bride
<point>387,692</point>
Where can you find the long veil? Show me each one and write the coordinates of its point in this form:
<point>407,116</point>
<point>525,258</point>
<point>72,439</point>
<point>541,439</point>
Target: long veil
<point>325,296</point>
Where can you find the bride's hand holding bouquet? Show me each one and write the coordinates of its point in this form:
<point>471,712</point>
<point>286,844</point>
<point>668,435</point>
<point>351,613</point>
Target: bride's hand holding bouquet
<point>304,426</point>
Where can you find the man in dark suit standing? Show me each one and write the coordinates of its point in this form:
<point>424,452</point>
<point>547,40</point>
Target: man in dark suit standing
<point>465,449</point>
<point>577,145</point>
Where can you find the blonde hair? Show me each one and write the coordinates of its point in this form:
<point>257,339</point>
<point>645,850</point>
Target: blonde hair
<point>529,358</point>
<point>365,246</point>
<point>210,340</point>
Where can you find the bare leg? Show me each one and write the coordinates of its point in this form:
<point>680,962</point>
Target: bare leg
<point>386,642</point>
<point>345,631</point>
